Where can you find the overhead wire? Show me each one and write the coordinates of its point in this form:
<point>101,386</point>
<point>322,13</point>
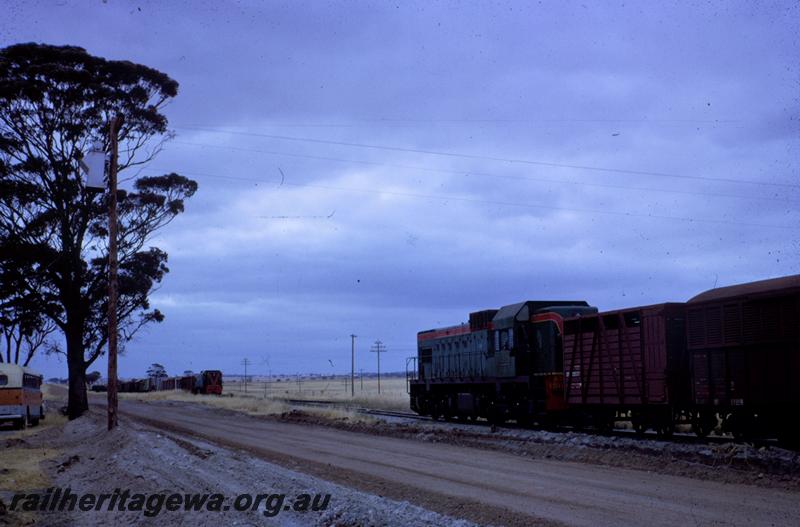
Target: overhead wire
<point>468,173</point>
<point>415,195</point>
<point>490,158</point>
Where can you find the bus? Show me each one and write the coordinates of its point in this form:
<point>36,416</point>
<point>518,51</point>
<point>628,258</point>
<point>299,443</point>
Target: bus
<point>20,396</point>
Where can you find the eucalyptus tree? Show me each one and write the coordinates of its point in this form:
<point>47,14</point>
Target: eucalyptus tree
<point>55,102</point>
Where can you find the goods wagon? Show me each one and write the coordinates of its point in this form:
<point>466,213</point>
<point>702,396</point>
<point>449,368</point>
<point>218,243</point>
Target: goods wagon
<point>208,382</point>
<point>630,362</point>
<point>744,344</point>
<point>205,382</point>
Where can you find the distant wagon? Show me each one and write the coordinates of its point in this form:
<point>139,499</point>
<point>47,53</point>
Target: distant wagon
<point>20,395</point>
<point>208,382</point>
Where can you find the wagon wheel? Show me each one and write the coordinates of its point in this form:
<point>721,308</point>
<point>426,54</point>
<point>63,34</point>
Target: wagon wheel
<point>437,410</point>
<point>496,417</point>
<point>702,424</point>
<point>740,426</point>
<point>605,425</point>
<point>665,431</point>
<point>639,425</point>
<point>789,437</point>
<point>743,434</point>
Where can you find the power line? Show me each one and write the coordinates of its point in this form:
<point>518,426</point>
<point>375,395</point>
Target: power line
<point>502,203</point>
<point>467,173</point>
<point>387,121</point>
<point>488,158</point>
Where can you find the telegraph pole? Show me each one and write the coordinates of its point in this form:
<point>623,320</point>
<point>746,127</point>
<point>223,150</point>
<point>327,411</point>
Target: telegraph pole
<point>378,348</point>
<point>114,127</point>
<point>352,365</point>
<point>245,362</point>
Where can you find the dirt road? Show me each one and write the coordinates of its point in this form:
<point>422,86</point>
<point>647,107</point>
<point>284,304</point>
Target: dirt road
<point>479,484</point>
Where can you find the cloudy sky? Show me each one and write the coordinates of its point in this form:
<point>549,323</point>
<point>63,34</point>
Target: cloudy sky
<point>380,168</point>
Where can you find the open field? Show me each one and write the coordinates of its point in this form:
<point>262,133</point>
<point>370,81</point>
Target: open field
<point>251,403</point>
<point>393,395</point>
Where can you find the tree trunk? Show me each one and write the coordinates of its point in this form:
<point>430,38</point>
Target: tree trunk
<point>78,402</point>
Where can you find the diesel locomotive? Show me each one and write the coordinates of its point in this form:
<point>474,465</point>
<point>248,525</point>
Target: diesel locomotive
<point>728,358</point>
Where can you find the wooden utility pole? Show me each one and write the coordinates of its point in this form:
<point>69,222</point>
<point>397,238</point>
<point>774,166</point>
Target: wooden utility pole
<point>114,127</point>
<point>378,348</point>
<point>352,365</point>
<point>245,362</point>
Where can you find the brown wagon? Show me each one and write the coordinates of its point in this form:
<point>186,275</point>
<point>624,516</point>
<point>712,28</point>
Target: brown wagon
<point>744,343</point>
<point>629,363</point>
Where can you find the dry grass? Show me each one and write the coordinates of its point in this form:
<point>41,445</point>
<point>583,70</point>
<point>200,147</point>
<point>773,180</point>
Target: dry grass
<point>19,463</point>
<point>54,392</point>
<point>20,468</point>
<point>393,394</point>
<point>250,403</point>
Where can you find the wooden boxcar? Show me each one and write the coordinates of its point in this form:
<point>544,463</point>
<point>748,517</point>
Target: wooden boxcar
<point>628,363</point>
<point>744,343</point>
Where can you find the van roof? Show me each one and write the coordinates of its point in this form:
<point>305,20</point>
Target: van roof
<point>784,284</point>
<point>7,367</point>
<point>14,372</point>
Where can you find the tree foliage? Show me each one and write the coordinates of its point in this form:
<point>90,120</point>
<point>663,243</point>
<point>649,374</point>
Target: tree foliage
<point>55,101</point>
<point>156,371</point>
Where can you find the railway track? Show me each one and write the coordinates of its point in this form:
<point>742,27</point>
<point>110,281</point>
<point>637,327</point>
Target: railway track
<point>678,437</point>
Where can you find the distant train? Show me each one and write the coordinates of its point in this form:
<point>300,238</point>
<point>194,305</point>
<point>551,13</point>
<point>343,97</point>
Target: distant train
<point>728,357</point>
<point>207,382</point>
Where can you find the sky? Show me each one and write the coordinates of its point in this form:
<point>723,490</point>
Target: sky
<point>380,168</point>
